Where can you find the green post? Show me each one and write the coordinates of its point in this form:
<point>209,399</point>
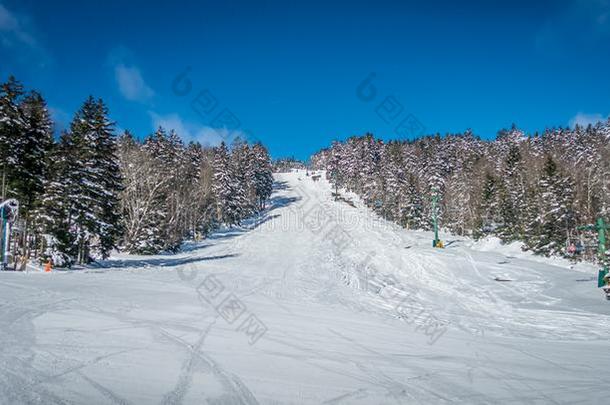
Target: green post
<point>601,252</point>
<point>601,228</point>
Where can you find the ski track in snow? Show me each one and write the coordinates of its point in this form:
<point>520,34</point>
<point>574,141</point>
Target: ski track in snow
<point>354,308</point>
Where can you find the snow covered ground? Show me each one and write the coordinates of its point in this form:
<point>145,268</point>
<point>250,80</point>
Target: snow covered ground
<point>315,302</point>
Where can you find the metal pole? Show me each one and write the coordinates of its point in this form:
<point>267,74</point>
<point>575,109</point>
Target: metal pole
<point>6,232</point>
<point>601,228</point>
<point>9,210</point>
<point>2,252</point>
<point>601,252</point>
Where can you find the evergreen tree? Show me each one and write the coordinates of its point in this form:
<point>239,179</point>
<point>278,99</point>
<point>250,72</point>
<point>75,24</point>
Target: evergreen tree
<point>86,186</point>
<point>556,214</point>
<point>108,179</point>
<point>263,176</point>
<point>57,204</point>
<point>12,130</point>
<point>33,163</point>
<point>242,175</point>
<point>512,199</point>
<point>224,187</point>
<point>484,187</point>
<point>412,212</point>
<point>33,167</point>
<point>370,179</point>
<point>333,169</point>
<point>393,184</point>
<point>489,210</point>
<point>79,196</point>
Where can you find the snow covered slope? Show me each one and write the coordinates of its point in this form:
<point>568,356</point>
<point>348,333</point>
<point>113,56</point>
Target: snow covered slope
<point>317,301</point>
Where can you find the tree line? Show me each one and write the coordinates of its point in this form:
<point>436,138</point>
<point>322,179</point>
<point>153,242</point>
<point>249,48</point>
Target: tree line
<point>89,191</point>
<point>536,188</point>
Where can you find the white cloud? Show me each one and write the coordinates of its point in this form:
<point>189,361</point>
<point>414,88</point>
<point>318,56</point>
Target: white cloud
<point>131,84</point>
<point>12,29</point>
<point>7,21</point>
<point>205,135</point>
<point>584,120</point>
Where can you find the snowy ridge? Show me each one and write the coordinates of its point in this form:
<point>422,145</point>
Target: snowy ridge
<point>355,310</point>
<point>449,282</point>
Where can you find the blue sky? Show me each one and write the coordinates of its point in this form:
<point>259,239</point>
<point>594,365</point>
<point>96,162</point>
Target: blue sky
<point>291,74</point>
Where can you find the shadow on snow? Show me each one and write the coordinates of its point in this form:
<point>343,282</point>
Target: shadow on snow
<point>164,261</point>
<point>170,259</point>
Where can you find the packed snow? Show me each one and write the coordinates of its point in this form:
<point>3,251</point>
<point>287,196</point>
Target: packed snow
<point>315,301</point>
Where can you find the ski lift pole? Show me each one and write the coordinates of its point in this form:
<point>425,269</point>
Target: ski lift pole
<point>3,249</point>
<point>9,210</point>
<point>601,228</point>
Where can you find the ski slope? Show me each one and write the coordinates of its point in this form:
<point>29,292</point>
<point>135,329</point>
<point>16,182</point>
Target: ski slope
<point>316,301</point>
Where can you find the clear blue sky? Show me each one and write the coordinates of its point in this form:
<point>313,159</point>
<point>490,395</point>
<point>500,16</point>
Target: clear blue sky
<point>289,72</point>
